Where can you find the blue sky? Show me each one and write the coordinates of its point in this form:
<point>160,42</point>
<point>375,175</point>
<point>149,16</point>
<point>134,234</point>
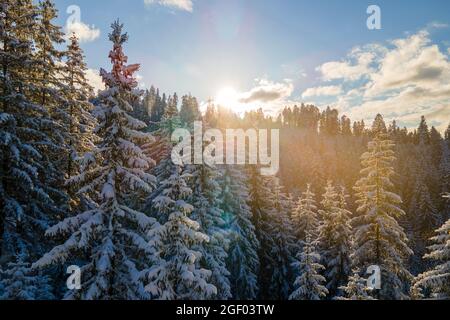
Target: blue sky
<point>269,53</point>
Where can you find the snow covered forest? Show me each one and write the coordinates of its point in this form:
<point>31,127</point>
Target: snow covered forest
<point>86,179</point>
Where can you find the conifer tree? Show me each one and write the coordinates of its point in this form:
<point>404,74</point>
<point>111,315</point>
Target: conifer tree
<point>337,248</point>
<point>327,215</point>
<point>81,122</point>
<point>27,198</point>
<point>379,239</point>
<point>175,274</point>
<point>283,247</point>
<point>437,280</point>
<point>189,111</point>
<point>110,239</point>
<point>207,212</point>
<point>242,262</point>
<point>259,196</point>
<point>48,92</point>
<point>305,216</point>
<point>356,289</point>
<point>309,284</point>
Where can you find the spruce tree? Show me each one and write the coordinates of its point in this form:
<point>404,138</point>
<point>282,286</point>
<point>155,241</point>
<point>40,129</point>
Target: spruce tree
<point>243,261</point>
<point>337,248</point>
<point>356,289</point>
<point>283,248</point>
<point>260,206</point>
<point>175,273</point>
<point>309,284</point>
<point>437,280</point>
<point>28,196</point>
<point>109,240</point>
<point>207,212</point>
<point>379,240</point>
<point>81,121</point>
<point>305,216</point>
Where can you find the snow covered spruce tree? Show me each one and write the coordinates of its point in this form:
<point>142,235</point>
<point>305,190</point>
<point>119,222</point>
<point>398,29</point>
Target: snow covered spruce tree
<point>437,280</point>
<point>305,218</point>
<point>327,214</point>
<point>309,285</point>
<point>424,220</point>
<point>27,198</point>
<point>160,149</point>
<point>49,92</point>
<point>109,241</point>
<point>81,121</point>
<point>242,262</point>
<point>444,170</point>
<point>356,289</point>
<point>175,274</point>
<point>207,212</point>
<point>335,243</point>
<point>284,243</point>
<point>379,240</point>
<point>260,197</point>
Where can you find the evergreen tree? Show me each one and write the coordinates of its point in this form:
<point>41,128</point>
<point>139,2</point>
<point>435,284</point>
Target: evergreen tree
<point>49,92</point>
<point>423,132</point>
<point>379,239</point>
<point>242,262</point>
<point>81,121</point>
<point>356,289</point>
<point>444,172</point>
<point>175,274</point>
<point>28,199</point>
<point>309,285</point>
<point>19,282</point>
<point>327,215</point>
<point>283,243</point>
<point>189,111</point>
<point>259,201</point>
<point>424,219</point>
<point>437,280</point>
<point>207,212</point>
<point>337,248</point>
<point>109,239</point>
<point>305,216</point>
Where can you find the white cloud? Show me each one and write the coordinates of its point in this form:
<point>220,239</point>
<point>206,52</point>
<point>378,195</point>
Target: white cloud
<point>267,91</point>
<point>84,32</point>
<point>436,25</point>
<point>413,61</point>
<point>403,79</point>
<point>185,5</point>
<point>94,79</point>
<point>353,68</point>
<point>322,91</point>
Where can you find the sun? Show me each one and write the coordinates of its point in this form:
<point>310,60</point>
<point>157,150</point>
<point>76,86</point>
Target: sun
<point>228,97</point>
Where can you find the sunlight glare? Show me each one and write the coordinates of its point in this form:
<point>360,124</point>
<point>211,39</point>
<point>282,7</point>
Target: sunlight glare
<point>228,97</point>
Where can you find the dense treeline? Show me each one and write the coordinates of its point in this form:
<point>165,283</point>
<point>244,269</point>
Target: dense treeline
<point>87,180</point>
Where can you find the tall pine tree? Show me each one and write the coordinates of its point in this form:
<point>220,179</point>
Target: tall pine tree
<point>379,239</point>
<point>243,261</point>
<point>110,239</point>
